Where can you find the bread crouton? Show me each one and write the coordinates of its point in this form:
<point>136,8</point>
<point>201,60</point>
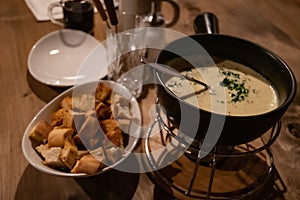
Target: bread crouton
<point>89,128</point>
<point>57,117</point>
<point>66,103</point>
<point>103,111</point>
<point>39,133</point>
<point>109,125</point>
<point>69,153</point>
<point>68,120</point>
<point>50,155</point>
<point>56,137</point>
<point>114,137</point>
<point>86,103</point>
<point>102,92</point>
<point>88,164</point>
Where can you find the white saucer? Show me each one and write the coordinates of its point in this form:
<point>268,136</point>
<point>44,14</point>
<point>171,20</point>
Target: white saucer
<point>55,59</point>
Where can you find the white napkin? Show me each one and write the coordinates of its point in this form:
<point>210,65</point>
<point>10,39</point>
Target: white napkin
<point>39,9</point>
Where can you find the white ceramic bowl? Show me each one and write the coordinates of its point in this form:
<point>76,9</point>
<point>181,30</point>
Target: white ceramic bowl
<point>134,134</point>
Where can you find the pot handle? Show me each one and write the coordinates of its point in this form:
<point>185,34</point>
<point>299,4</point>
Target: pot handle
<point>206,23</point>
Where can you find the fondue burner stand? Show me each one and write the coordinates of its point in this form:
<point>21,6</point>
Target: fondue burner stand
<point>243,171</point>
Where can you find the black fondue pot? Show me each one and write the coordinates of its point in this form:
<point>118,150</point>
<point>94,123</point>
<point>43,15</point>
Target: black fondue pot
<point>229,130</point>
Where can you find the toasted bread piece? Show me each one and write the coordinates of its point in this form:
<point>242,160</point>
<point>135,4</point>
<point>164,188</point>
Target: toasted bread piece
<point>88,164</point>
<point>78,142</point>
<point>103,111</point>
<point>89,128</point>
<point>69,153</point>
<point>51,155</point>
<point>58,116</point>
<point>87,102</point>
<point>39,133</point>
<point>68,120</point>
<point>109,125</point>
<point>56,137</point>
<point>78,119</point>
<point>103,92</point>
<point>82,153</point>
<point>75,103</point>
<point>115,137</point>
<point>66,103</point>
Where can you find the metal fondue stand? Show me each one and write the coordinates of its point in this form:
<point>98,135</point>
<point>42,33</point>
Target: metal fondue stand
<point>232,170</point>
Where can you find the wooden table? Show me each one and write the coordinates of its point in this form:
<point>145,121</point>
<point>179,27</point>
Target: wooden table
<point>272,24</point>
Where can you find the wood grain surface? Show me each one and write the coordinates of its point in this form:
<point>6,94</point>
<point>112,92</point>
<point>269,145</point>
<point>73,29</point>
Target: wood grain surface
<point>272,24</point>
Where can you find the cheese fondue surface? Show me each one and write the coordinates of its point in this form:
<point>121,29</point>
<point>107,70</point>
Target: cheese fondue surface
<point>234,89</point>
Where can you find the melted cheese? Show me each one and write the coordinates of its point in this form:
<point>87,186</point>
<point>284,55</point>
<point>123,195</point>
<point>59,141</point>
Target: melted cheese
<point>234,89</point>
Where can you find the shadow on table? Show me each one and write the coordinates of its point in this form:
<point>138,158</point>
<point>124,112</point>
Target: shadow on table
<point>44,92</point>
<point>273,189</point>
<point>111,185</point>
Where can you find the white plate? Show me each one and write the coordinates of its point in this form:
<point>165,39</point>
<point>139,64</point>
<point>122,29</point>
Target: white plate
<point>45,114</point>
<point>56,58</point>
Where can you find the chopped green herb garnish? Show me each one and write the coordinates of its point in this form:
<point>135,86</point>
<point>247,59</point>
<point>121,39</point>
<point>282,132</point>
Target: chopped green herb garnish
<point>237,88</point>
